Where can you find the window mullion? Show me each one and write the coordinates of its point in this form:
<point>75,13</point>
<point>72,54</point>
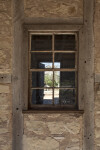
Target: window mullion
<point>53,64</point>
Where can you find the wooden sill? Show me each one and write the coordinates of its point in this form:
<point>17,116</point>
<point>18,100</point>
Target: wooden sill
<point>52,111</point>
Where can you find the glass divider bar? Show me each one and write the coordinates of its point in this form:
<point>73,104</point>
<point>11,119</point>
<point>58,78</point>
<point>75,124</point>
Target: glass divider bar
<point>53,64</point>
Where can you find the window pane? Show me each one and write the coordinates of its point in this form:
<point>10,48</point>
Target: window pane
<point>42,79</point>
<point>64,96</point>
<point>41,96</point>
<point>65,42</point>
<point>64,79</point>
<point>41,60</point>
<point>56,96</point>
<point>65,60</point>
<point>41,42</point>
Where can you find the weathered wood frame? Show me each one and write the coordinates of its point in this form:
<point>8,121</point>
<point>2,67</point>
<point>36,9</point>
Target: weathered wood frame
<point>49,28</point>
<point>53,52</point>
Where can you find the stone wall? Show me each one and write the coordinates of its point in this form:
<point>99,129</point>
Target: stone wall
<point>97,73</point>
<point>53,8</point>
<point>5,74</point>
<point>53,131</point>
<point>59,131</point>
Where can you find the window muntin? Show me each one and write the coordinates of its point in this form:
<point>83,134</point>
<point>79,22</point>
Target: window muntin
<point>53,70</point>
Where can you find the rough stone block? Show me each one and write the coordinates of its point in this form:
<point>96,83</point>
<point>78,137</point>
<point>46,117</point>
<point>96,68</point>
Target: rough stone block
<point>52,9</point>
<point>5,78</point>
<point>63,131</point>
<point>38,144</point>
<point>4,89</point>
<point>97,65</point>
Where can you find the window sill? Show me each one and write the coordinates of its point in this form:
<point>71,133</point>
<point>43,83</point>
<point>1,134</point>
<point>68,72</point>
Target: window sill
<point>52,111</point>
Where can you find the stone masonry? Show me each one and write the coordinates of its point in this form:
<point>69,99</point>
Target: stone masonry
<point>44,131</point>
<point>6,46</point>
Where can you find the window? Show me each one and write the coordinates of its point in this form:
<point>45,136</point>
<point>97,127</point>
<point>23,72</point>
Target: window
<point>53,70</point>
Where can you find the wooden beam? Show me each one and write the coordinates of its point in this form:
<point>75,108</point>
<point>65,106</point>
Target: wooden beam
<point>17,123</point>
<point>88,79</point>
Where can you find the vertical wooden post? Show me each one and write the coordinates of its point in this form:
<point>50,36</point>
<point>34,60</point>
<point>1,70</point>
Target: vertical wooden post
<point>88,122</point>
<point>17,75</point>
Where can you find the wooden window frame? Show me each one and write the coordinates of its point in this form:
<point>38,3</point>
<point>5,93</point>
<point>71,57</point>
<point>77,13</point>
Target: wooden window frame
<point>49,29</point>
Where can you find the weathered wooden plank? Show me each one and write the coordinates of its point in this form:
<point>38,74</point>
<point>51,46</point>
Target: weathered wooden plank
<point>81,71</point>
<point>88,119</point>
<point>53,111</point>
<point>17,75</point>
<point>25,69</point>
<point>52,27</point>
<point>71,20</point>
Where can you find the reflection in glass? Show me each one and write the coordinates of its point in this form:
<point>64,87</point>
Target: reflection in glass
<point>64,96</point>
<point>67,96</point>
<point>42,96</point>
<point>41,42</point>
<point>66,60</point>
<point>57,65</point>
<point>42,79</point>
<point>65,42</point>
<point>56,96</point>
<point>64,79</point>
<point>41,60</point>
<point>56,78</point>
<point>45,65</point>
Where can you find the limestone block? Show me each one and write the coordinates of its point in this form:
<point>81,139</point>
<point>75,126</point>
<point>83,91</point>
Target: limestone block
<point>4,89</point>
<point>97,13</point>
<point>38,127</point>
<point>97,147</point>
<point>97,120</point>
<point>4,99</point>
<point>97,65</point>
<point>73,148</point>
<point>97,133</point>
<point>6,147</point>
<point>38,144</point>
<point>5,139</point>
<point>5,67</point>
<point>97,106</point>
<point>5,6</point>
<point>51,8</point>
<point>57,127</point>
<point>5,31</point>
<point>5,59</point>
<point>65,129</point>
<point>5,128</point>
<point>5,78</point>
<point>97,41</point>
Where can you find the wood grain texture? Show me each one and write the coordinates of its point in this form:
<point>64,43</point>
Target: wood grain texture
<point>17,75</point>
<point>88,122</point>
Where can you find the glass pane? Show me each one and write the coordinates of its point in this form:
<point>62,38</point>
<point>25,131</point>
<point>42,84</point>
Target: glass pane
<point>64,96</point>
<point>41,42</point>
<point>65,42</point>
<point>57,65</point>
<point>42,79</point>
<point>57,78</point>
<point>65,60</point>
<point>41,96</point>
<point>64,79</point>
<point>41,60</point>
<point>56,96</point>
